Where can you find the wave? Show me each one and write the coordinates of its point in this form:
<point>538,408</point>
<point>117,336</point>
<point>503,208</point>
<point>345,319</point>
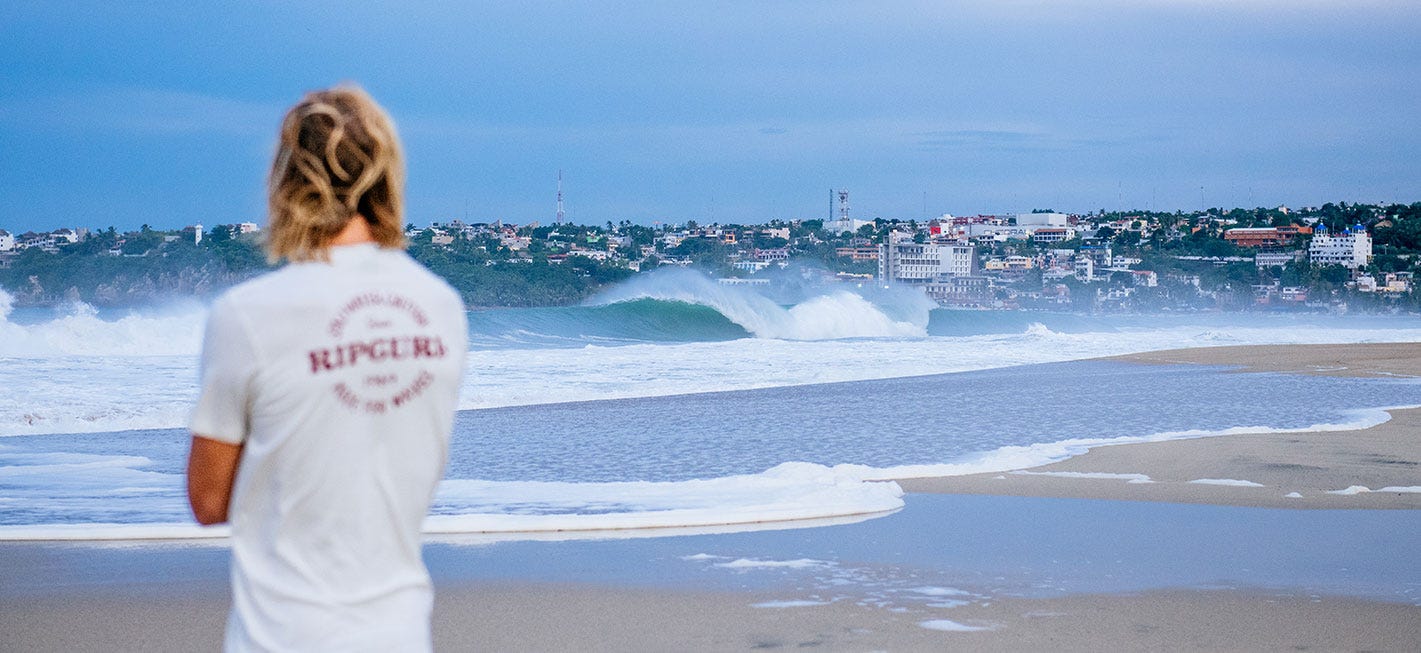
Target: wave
<point>78,329</point>
<point>825,315</point>
<point>638,320</point>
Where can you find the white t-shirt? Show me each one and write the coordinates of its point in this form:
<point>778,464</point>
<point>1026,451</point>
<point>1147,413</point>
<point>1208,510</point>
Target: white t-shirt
<point>341,379</point>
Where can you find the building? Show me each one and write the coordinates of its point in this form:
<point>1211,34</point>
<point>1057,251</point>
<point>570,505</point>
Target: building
<point>1052,234</point>
<point>964,291</point>
<point>842,225</point>
<point>865,253</point>
<point>48,241</point>
<point>902,261</point>
<point>1276,259</point>
<point>515,242</point>
<point>1352,248</point>
<point>1043,219</point>
<point>1265,236</point>
<point>1084,268</point>
<point>1100,254</point>
<point>7,241</point>
<point>775,232</point>
<point>770,254</point>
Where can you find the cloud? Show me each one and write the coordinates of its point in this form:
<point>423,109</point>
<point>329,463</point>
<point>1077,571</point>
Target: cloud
<point>1013,140</point>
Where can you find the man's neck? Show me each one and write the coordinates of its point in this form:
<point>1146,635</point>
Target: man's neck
<point>356,231</point>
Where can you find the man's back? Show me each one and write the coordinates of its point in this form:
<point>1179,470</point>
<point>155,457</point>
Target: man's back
<point>339,380</point>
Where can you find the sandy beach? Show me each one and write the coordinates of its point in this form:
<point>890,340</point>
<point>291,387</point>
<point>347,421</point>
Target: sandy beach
<point>538,597</point>
<point>1276,470</point>
<point>527,617</point>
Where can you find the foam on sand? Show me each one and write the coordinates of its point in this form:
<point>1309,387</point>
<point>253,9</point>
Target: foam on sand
<point>750,563</point>
<point>1362,489</point>
<point>787,492</point>
<point>1110,476</point>
<point>1231,482</point>
<point>792,603</point>
<point>948,625</point>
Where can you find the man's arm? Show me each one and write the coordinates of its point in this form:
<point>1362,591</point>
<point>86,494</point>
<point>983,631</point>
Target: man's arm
<point>211,470</point>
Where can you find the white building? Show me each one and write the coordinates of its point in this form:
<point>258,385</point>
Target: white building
<point>1043,219</point>
<point>1275,259</point>
<point>771,254</point>
<point>845,224</point>
<point>7,241</point>
<point>777,232</point>
<point>997,232</point>
<point>1084,268</point>
<point>515,243</point>
<point>1351,249</point>
<point>248,228</point>
<point>901,260</point>
<point>1052,234</point>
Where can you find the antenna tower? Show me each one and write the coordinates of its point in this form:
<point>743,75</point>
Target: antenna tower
<point>561,213</point>
<point>844,206</point>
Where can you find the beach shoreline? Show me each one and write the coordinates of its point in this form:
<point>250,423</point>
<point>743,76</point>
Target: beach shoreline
<point>1333,469</point>
<point>171,597</point>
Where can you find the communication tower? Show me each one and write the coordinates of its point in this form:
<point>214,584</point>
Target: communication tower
<point>844,206</point>
<point>561,213</point>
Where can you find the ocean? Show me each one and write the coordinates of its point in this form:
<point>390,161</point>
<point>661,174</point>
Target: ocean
<point>673,402</point>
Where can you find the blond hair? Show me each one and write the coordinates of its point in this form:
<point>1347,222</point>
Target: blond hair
<point>338,159</point>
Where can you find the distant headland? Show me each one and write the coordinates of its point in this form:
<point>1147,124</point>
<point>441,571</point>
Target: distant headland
<point>1334,257</point>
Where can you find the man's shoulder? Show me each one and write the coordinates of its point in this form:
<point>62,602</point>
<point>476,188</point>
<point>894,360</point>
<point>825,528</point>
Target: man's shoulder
<point>254,289</point>
<point>433,283</point>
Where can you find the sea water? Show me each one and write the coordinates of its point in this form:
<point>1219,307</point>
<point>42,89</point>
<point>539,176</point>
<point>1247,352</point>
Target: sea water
<point>673,401</point>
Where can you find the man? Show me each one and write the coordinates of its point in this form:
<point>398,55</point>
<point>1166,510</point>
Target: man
<point>327,399</point>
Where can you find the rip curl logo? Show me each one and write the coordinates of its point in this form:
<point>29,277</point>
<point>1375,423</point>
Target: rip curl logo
<point>377,329</point>
<point>375,301</point>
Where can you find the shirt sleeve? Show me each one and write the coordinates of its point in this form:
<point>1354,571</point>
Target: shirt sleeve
<point>226,370</point>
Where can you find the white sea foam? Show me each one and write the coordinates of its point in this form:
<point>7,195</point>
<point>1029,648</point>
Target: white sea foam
<point>787,492</point>
<point>949,625</point>
<point>701,556</point>
<point>750,563</point>
<point>78,373</point>
<point>1108,476</point>
<point>1231,482</point>
<point>77,330</point>
<point>789,603</point>
<point>939,591</point>
<point>1362,489</point>
<point>834,314</point>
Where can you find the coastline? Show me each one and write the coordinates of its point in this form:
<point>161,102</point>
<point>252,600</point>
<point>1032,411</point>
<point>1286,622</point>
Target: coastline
<point>1305,469</point>
<point>165,597</point>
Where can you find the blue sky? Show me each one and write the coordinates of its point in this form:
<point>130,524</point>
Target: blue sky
<point>165,113</point>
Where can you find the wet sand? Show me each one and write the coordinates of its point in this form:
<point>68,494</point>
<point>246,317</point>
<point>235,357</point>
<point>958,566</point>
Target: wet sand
<point>182,607</point>
<point>535,617</point>
<point>1276,470</point>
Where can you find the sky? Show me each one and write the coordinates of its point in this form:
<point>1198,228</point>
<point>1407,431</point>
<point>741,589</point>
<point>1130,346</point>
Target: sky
<point>165,113</point>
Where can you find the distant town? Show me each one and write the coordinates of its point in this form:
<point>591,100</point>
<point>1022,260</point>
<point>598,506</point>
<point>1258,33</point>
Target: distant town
<point>1335,257</point>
